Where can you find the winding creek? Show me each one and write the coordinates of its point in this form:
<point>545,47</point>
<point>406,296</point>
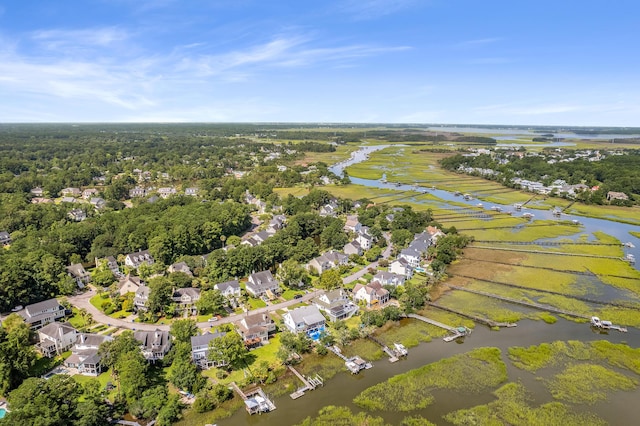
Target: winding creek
<point>341,389</point>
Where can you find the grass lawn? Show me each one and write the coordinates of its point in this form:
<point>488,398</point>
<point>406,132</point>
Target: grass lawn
<point>256,303</point>
<point>289,293</point>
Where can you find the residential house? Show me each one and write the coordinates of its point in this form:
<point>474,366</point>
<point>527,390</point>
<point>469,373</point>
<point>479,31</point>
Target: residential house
<point>98,203</point>
<point>262,283</point>
<point>134,260</point>
<point>137,192</point>
<point>412,256</point>
<point>186,299</point>
<point>401,267</point>
<point>153,344</point>
<point>180,267</point>
<point>141,298</point>
<point>5,238</point>
<point>229,289</point>
<point>389,278</point>
<point>353,247</point>
<point>112,264</point>
<point>352,224</point>
<point>200,350</point>
<point>79,274</point>
<point>611,196</point>
<point>71,192</point>
<point>166,192</point>
<point>329,260</point>
<point>40,200</point>
<point>42,313</point>
<point>84,354</point>
<point>255,329</point>
<point>129,284</point>
<point>276,223</point>
<point>89,193</point>
<point>336,304</point>
<point>365,241</point>
<point>191,191</point>
<point>434,234</point>
<point>372,294</point>
<point>37,191</point>
<point>55,338</point>
<point>305,319</point>
<point>77,215</point>
<point>330,209</point>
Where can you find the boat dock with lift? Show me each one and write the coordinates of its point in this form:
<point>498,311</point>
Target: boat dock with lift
<point>310,383</point>
<point>606,325</point>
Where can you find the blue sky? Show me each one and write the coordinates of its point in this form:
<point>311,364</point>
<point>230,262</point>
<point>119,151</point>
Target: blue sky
<point>561,62</point>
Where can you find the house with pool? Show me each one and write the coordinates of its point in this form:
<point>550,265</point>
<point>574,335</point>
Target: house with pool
<point>305,319</point>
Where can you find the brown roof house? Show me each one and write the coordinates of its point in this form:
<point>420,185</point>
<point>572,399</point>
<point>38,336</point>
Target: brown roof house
<point>255,329</point>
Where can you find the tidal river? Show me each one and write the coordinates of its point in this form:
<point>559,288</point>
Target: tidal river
<point>341,389</point>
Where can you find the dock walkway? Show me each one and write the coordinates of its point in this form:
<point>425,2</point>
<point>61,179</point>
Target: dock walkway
<point>432,322</point>
<point>521,302</point>
<point>485,321</point>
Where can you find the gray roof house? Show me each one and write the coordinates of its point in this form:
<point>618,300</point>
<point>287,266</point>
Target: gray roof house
<point>305,319</point>
<point>55,338</point>
<point>328,260</point>
<point>336,304</point>
<point>134,260</point>
<point>42,313</point>
<point>129,284</point>
<point>353,247</point>
<point>255,329</point>
<point>153,344</point>
<point>262,283</point>
<point>389,278</point>
<point>79,274</point>
<point>5,238</point>
<point>84,354</point>
<point>186,298</point>
<point>229,288</point>
<point>141,298</point>
<point>180,267</point>
<point>200,350</point>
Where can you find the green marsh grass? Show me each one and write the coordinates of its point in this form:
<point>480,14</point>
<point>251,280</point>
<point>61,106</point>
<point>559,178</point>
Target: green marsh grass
<point>471,372</point>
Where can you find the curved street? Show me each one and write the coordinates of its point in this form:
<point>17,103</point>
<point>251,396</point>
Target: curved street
<point>81,301</point>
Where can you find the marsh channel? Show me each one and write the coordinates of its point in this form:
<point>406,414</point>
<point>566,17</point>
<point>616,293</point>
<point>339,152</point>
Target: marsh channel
<point>342,388</point>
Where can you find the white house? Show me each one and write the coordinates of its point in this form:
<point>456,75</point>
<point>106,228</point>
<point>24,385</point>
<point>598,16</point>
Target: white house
<point>42,313</point>
<point>262,283</point>
<point>129,284</point>
<point>84,354</point>
<point>365,241</point>
<point>76,215</point>
<point>134,260</point>
<point>89,192</point>
<point>141,298</point>
<point>389,278</point>
<point>229,289</point>
<point>153,344</point>
<point>55,338</point>
<point>305,319</point>
<point>352,224</point>
<point>200,350</point>
<point>186,298</point>
<point>167,192</point>
<point>401,267</point>
<point>372,293</point>
<point>336,304</point>
<point>412,256</point>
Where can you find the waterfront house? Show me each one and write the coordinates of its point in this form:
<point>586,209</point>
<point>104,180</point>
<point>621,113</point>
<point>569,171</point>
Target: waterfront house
<point>401,267</point>
<point>85,356</point>
<point>336,304</point>
<point>372,293</point>
<point>305,319</point>
<point>153,344</point>
<point>200,350</point>
<point>411,255</point>
<point>255,329</point>
<point>55,338</point>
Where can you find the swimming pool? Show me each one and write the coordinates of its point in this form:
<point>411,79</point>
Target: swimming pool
<point>2,412</point>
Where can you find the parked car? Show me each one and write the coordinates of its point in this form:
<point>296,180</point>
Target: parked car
<point>213,319</point>
<point>297,296</point>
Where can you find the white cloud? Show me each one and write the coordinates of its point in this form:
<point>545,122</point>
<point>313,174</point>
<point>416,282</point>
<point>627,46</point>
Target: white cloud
<point>373,9</point>
<point>60,40</point>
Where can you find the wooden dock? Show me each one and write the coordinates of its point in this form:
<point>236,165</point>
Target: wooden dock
<point>237,389</point>
<point>521,302</point>
<point>486,321</point>
<point>309,383</point>
<point>432,322</point>
<point>256,401</point>
<point>457,333</point>
<point>391,353</point>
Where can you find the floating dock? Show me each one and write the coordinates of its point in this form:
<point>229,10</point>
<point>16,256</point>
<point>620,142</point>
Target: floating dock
<point>255,401</point>
<point>395,353</point>
<point>356,364</point>
<point>457,333</point>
